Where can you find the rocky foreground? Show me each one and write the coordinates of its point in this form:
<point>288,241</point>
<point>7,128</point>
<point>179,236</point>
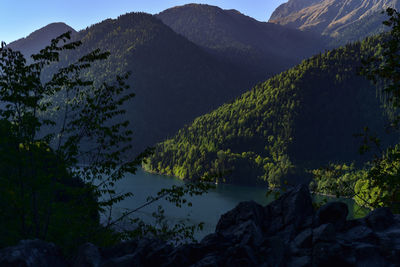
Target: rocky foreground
<point>287,232</point>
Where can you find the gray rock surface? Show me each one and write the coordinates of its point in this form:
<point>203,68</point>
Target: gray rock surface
<point>32,253</point>
<point>287,232</point>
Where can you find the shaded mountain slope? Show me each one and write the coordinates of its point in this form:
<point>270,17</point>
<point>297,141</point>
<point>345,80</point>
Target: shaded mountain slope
<point>266,48</point>
<point>37,40</point>
<point>173,79</point>
<point>302,118</point>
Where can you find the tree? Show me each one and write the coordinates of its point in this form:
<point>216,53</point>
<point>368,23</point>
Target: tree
<point>45,193</point>
<point>381,187</point>
<point>58,172</point>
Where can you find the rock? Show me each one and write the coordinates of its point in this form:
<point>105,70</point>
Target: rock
<point>35,253</point>
<point>304,261</point>
<point>328,254</point>
<point>389,243</point>
<point>241,256</point>
<point>325,233</point>
<point>215,242</point>
<point>276,252</point>
<point>88,256</point>
<point>209,260</point>
<point>247,233</point>
<point>353,223</point>
<point>294,207</point>
<point>125,261</point>
<point>121,249</point>
<point>284,233</point>
<point>142,252</point>
<point>332,212</point>
<point>368,255</point>
<point>380,219</point>
<point>304,239</point>
<point>360,234</point>
<point>243,212</point>
<point>397,218</point>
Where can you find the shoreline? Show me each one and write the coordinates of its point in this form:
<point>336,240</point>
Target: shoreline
<point>274,189</point>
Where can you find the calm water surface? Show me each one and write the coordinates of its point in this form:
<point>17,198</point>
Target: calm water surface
<point>206,208</point>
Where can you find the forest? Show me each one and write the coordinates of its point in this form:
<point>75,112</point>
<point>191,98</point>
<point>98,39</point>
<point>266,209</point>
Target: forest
<point>286,128</point>
<point>75,119</point>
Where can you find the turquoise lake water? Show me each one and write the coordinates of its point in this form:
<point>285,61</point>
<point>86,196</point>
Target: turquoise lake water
<point>206,208</point>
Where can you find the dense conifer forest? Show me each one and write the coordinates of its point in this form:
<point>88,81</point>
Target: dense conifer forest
<point>219,97</point>
<point>301,119</point>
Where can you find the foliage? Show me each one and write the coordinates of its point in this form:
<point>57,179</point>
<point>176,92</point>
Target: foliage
<point>39,197</point>
<point>173,79</point>
<point>57,176</point>
<point>336,179</point>
<point>298,120</point>
<point>44,193</point>
<point>378,184</point>
<point>382,184</point>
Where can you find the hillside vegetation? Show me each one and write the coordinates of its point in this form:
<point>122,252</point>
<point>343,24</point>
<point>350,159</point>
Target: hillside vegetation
<point>173,79</point>
<point>300,119</point>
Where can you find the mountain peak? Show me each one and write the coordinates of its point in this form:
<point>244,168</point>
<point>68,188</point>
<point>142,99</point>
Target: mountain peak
<point>260,46</point>
<point>329,17</point>
<point>40,38</point>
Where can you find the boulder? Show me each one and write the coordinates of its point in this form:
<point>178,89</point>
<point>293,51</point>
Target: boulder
<point>285,233</point>
<point>32,253</point>
<point>243,212</point>
<point>304,239</point>
<point>332,212</point>
<point>324,233</point>
<point>380,219</point>
<point>88,256</point>
<point>292,208</point>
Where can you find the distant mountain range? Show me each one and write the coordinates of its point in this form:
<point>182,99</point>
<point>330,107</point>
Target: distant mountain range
<point>188,60</point>
<point>176,79</point>
<point>263,47</point>
<point>346,20</point>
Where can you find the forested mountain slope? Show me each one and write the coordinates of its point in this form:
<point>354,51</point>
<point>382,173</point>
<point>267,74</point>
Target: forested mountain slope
<point>266,48</point>
<point>300,119</point>
<point>344,20</point>
<point>173,79</point>
<point>37,40</point>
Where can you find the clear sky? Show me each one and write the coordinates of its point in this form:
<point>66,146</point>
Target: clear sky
<point>18,18</point>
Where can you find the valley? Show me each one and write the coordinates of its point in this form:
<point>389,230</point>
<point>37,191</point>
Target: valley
<point>161,127</point>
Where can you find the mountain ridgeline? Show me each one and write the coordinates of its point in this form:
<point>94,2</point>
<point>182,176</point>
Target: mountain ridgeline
<point>343,20</point>
<point>37,40</point>
<point>188,60</point>
<point>176,79</point>
<point>264,48</point>
<point>173,79</point>
<point>301,119</point>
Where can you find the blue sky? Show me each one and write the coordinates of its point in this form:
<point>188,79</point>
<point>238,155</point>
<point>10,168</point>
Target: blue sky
<point>18,18</point>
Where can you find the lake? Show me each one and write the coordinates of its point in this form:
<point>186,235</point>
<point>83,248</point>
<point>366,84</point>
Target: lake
<point>206,208</point>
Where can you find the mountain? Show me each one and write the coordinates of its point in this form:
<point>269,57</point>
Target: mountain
<point>298,120</point>
<point>346,20</point>
<point>37,40</point>
<point>174,80</point>
<point>265,48</point>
